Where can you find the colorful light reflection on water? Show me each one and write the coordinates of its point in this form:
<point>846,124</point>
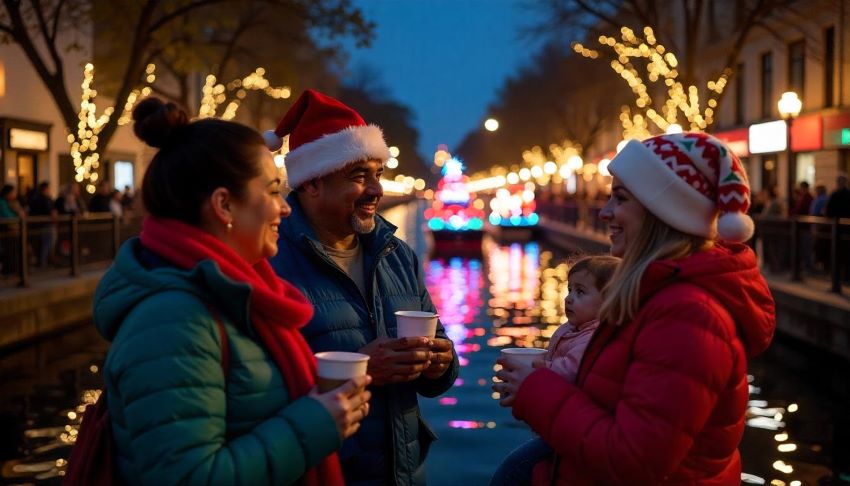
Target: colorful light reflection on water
<point>528,291</point>
<point>455,286</point>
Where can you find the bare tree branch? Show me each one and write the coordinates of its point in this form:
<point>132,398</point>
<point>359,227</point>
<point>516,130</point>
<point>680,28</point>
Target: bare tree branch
<point>57,13</point>
<point>49,41</point>
<point>770,30</point>
<point>54,82</point>
<point>640,13</point>
<point>180,12</point>
<point>597,13</point>
<point>231,44</point>
<point>42,24</point>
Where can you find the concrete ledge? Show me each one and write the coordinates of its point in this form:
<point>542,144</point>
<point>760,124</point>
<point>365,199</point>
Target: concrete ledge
<point>48,306</point>
<point>809,312</point>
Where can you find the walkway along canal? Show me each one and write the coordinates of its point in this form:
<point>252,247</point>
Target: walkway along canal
<point>798,425</point>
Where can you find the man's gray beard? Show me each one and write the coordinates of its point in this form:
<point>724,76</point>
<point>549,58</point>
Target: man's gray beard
<point>362,226</point>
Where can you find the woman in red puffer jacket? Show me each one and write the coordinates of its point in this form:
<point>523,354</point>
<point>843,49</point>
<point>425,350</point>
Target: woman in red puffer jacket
<point>662,390</point>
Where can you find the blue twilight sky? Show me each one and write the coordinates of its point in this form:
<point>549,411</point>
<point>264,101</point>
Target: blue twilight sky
<point>445,59</point>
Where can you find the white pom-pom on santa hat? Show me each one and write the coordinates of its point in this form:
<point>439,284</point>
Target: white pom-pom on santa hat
<point>735,227</point>
<point>273,142</point>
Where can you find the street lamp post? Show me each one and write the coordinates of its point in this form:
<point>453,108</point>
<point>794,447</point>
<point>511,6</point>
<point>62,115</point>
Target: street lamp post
<point>789,107</point>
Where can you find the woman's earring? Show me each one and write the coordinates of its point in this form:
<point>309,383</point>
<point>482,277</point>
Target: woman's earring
<point>229,226</point>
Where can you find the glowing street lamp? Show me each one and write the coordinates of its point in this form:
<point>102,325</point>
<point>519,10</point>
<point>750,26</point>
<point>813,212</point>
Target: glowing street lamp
<point>491,124</point>
<point>789,107</point>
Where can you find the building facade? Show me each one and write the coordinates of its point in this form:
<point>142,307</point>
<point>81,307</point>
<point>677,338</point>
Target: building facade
<point>809,57</point>
<point>34,146</point>
<point>805,49</point>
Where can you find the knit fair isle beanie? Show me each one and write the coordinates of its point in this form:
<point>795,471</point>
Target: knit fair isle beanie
<point>325,135</point>
<point>687,180</point>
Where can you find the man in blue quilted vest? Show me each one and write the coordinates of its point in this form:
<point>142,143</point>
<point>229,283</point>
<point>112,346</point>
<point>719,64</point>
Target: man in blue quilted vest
<point>346,260</point>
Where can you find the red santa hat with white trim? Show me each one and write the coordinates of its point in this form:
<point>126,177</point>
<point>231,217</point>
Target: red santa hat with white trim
<point>691,181</point>
<point>325,135</point>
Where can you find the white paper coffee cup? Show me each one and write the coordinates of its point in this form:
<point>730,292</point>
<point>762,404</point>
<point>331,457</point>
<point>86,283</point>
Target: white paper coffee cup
<point>416,324</point>
<point>337,367</point>
<point>524,356</point>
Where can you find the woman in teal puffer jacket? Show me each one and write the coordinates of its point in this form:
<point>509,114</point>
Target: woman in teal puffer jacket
<point>186,405</point>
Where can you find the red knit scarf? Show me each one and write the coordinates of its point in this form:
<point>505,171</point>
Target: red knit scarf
<point>278,310</point>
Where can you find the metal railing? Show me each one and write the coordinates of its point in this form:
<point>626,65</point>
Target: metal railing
<point>578,213</point>
<point>805,245</point>
<point>44,245</point>
<point>809,246</point>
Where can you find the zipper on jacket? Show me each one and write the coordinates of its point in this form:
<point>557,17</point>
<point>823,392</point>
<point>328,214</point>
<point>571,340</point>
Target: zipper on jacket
<point>386,250</point>
<point>321,254</point>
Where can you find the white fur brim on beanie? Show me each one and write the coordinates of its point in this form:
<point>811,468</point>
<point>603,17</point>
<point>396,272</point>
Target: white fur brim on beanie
<point>687,180</point>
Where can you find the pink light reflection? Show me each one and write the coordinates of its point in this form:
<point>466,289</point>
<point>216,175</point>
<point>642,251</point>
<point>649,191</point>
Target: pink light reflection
<point>465,424</point>
<point>448,401</point>
<point>467,347</point>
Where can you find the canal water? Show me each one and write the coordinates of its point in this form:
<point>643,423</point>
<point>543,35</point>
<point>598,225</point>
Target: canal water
<point>512,294</point>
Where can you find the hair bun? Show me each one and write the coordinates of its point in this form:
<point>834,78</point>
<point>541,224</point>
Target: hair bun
<point>157,122</point>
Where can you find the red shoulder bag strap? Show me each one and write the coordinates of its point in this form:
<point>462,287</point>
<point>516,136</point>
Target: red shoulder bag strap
<point>91,461</point>
<point>225,347</point>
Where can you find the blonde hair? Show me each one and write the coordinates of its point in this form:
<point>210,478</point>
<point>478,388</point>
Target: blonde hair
<point>655,240</point>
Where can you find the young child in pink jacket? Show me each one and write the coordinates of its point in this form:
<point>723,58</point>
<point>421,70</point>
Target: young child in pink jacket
<point>585,281</point>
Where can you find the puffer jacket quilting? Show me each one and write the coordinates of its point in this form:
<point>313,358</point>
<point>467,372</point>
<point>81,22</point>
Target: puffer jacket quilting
<point>395,282</point>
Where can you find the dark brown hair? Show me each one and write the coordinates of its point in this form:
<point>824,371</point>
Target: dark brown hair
<point>601,267</point>
<point>194,159</point>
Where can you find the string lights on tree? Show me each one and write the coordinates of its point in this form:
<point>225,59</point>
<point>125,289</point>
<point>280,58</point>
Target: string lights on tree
<point>84,142</point>
<point>214,93</point>
<point>660,66</point>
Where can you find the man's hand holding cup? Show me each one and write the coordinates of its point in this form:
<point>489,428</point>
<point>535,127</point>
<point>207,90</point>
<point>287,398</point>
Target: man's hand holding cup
<point>405,358</point>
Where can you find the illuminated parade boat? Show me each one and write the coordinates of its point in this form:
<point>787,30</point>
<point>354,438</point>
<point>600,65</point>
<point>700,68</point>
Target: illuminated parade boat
<point>456,217</point>
<point>513,216</point>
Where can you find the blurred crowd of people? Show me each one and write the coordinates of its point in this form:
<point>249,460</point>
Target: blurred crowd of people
<point>835,204</point>
<point>814,248</point>
<point>44,244</point>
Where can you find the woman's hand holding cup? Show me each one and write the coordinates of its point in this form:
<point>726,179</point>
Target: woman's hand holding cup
<point>347,404</point>
<point>516,364</point>
<point>342,381</point>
